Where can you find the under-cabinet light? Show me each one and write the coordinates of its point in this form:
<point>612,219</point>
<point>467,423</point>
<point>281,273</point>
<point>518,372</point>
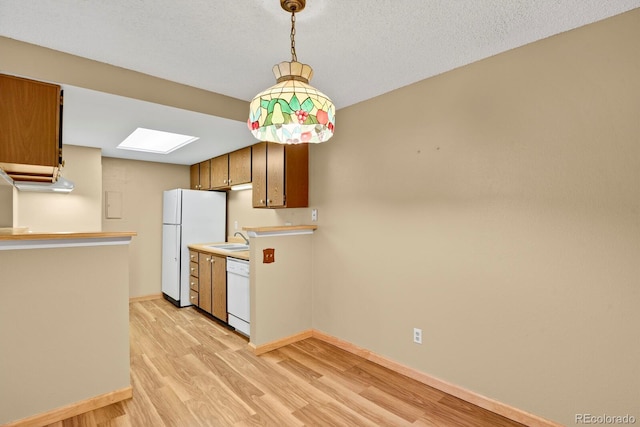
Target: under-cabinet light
<point>239,187</point>
<point>62,185</point>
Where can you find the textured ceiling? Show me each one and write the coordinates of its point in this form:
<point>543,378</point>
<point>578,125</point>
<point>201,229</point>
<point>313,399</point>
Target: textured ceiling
<point>358,48</point>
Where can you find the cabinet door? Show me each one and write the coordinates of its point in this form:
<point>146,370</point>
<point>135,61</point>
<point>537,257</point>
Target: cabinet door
<point>204,173</point>
<point>205,263</point>
<point>259,174</point>
<point>30,122</point>
<point>220,171</point>
<point>275,174</point>
<point>296,171</point>
<point>220,287</point>
<point>240,166</point>
<point>195,176</point>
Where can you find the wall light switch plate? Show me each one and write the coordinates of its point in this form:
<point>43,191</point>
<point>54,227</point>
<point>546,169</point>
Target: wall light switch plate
<point>268,256</point>
<point>314,214</point>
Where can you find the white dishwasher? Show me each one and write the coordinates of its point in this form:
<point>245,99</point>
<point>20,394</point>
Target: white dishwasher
<point>238,307</point>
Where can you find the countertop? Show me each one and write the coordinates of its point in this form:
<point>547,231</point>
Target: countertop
<point>278,230</point>
<point>204,247</point>
<point>281,228</point>
<point>22,234</point>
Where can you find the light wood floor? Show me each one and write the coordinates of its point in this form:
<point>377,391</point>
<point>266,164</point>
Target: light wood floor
<point>187,370</point>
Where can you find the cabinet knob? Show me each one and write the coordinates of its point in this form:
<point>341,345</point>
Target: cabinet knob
<point>225,181</point>
<point>261,201</point>
<point>229,181</point>
<point>193,269</point>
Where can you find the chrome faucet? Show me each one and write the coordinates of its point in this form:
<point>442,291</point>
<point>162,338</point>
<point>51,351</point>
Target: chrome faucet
<point>241,235</point>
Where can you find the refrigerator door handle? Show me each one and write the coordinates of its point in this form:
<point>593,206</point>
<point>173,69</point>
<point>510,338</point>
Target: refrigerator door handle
<point>178,246</point>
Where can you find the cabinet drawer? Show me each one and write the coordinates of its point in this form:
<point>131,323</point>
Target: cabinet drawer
<point>193,283</point>
<point>193,297</point>
<point>193,256</point>
<point>193,268</point>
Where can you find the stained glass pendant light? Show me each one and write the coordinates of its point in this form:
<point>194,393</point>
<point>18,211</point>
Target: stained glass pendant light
<point>292,111</point>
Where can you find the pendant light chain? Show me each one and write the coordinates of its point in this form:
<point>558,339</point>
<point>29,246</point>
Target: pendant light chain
<point>294,57</point>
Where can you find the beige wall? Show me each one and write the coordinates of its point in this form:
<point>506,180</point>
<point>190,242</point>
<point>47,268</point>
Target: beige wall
<point>501,215</point>
<point>280,291</point>
<point>75,211</point>
<point>141,185</point>
<point>64,327</point>
<point>240,210</point>
<point>6,204</point>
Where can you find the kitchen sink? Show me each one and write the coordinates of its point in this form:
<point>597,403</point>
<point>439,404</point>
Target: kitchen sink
<point>231,247</point>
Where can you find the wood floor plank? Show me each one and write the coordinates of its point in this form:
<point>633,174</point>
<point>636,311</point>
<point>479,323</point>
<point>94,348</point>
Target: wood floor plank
<point>400,386</point>
<point>299,369</point>
<point>188,370</point>
<point>351,382</point>
<point>330,414</point>
<point>380,416</point>
<point>272,412</point>
<point>239,385</point>
<point>337,358</point>
<point>472,413</point>
<point>140,408</point>
<point>401,408</point>
<point>270,382</point>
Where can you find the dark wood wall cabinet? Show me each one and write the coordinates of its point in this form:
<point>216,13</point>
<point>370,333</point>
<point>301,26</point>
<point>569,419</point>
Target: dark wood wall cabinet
<point>30,129</point>
<point>279,174</point>
<point>201,176</point>
<point>231,169</point>
<point>222,172</point>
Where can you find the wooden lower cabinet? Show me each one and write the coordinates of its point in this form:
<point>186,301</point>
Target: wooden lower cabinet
<point>212,284</point>
<point>193,278</point>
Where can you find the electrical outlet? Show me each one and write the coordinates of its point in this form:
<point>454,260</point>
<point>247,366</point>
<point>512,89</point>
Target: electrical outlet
<point>314,214</point>
<point>235,225</point>
<point>417,335</point>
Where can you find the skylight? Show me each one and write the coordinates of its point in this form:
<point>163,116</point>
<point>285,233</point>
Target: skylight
<point>155,141</point>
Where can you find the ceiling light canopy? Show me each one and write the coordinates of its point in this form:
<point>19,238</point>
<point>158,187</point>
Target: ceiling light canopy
<point>155,141</point>
<point>292,111</point>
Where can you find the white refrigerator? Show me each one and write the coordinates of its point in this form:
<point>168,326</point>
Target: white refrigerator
<point>188,216</point>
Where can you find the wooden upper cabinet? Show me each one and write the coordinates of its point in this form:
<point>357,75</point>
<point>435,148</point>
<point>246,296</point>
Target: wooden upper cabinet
<point>205,179</point>
<point>259,175</point>
<point>200,176</point>
<point>30,128</point>
<point>195,176</point>
<point>231,169</point>
<point>280,175</point>
<point>240,166</point>
<point>220,171</point>
<point>275,175</point>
